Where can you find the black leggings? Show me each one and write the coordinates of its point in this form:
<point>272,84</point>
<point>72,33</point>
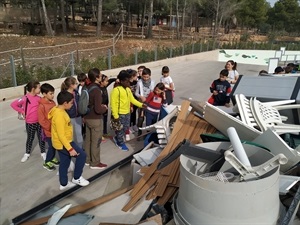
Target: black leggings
<point>31,129</point>
<point>133,116</point>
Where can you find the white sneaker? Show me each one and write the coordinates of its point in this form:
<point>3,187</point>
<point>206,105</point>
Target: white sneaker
<point>131,130</point>
<point>25,157</point>
<point>68,186</point>
<point>127,137</point>
<point>81,181</point>
<point>43,155</point>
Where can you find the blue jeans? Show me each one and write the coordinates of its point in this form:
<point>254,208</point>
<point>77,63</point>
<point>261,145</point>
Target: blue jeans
<point>65,160</point>
<point>125,121</point>
<point>51,151</point>
<point>151,118</point>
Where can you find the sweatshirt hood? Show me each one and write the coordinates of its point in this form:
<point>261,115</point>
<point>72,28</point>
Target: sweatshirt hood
<point>53,111</point>
<point>45,101</point>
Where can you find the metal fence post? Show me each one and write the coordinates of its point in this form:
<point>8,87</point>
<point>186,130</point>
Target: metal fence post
<point>72,64</point>
<point>182,53</point>
<point>22,59</point>
<point>122,31</point>
<point>171,52</point>
<point>135,56</point>
<point>207,47</point>
<point>109,59</point>
<point>193,46</point>
<point>114,46</point>
<point>201,46</point>
<point>155,53</point>
<point>13,70</point>
<point>77,56</point>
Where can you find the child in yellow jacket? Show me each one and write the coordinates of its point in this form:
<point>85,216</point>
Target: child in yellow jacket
<point>62,141</point>
<point>120,100</point>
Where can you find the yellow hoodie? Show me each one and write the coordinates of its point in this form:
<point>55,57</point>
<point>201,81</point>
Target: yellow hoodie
<point>120,99</point>
<point>61,128</point>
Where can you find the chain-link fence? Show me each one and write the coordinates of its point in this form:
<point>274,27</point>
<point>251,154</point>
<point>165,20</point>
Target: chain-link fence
<point>21,65</point>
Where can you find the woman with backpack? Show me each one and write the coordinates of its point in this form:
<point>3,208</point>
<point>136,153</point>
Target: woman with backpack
<point>70,84</point>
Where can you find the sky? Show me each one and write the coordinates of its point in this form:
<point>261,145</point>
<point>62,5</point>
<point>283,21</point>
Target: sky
<point>272,2</point>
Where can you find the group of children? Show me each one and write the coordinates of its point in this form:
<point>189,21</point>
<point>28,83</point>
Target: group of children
<point>221,87</point>
<point>61,125</point>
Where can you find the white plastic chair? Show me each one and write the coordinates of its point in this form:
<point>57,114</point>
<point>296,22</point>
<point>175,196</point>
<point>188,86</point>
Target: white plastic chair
<point>244,110</point>
<point>268,116</point>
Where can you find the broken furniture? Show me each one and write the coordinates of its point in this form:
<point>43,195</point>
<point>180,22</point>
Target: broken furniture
<point>269,139</point>
<point>265,116</point>
<point>268,117</point>
<point>164,127</point>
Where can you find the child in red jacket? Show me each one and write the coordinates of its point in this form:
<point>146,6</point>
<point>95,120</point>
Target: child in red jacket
<point>155,100</point>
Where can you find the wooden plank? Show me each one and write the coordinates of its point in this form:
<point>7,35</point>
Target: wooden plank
<point>179,122</point>
<point>82,208</point>
<point>161,186</point>
<point>140,193</point>
<point>170,191</point>
<point>177,172</point>
<point>151,194</point>
<point>144,169</point>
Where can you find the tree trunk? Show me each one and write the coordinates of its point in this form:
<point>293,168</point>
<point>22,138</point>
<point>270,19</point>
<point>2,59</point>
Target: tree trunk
<point>73,16</point>
<point>150,20</point>
<point>171,11</point>
<point>177,19</point>
<point>183,18</point>
<point>62,16</point>
<point>47,21</point>
<point>99,18</point>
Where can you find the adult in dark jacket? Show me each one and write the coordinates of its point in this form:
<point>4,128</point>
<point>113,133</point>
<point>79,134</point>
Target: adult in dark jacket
<point>94,121</point>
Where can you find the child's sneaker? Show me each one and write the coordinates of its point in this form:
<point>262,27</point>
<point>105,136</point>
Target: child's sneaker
<point>49,166</point>
<point>68,186</point>
<point>81,181</point>
<point>123,147</point>
<point>25,157</point>
<point>131,130</point>
<point>127,137</point>
<point>43,155</point>
<point>116,142</point>
<point>103,140</point>
<point>135,128</point>
<point>55,162</point>
<point>100,166</point>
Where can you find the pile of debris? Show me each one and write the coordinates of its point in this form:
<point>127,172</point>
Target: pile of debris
<point>163,184</point>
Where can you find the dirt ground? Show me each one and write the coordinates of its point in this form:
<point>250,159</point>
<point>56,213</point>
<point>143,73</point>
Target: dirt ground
<point>85,34</point>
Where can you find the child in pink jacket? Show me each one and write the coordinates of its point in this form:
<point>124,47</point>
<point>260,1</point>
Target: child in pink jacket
<point>28,107</point>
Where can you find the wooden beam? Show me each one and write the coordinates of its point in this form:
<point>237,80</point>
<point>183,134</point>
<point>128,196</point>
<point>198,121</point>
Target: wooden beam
<point>83,207</point>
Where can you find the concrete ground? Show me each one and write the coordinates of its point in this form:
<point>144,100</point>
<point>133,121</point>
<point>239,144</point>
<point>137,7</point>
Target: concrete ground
<point>26,185</point>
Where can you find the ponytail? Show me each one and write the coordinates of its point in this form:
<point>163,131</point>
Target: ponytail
<point>67,83</point>
<point>234,66</point>
<point>30,85</point>
<point>25,89</point>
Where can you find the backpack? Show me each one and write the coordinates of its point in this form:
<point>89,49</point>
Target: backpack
<point>83,103</point>
<point>21,116</point>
